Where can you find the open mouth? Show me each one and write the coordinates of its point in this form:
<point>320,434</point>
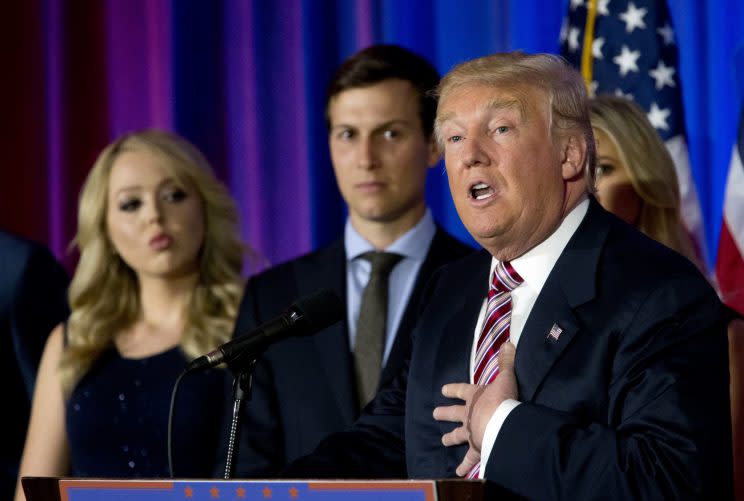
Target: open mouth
<point>481,191</point>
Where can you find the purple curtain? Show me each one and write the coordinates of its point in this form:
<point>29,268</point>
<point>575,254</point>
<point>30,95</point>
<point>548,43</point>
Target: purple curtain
<point>245,81</point>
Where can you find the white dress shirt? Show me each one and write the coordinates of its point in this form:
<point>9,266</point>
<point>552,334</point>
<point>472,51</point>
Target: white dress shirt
<point>534,267</point>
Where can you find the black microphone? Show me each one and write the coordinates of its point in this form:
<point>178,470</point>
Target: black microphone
<point>305,316</point>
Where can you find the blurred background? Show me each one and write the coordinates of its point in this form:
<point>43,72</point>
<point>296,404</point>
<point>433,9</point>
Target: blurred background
<point>245,81</point>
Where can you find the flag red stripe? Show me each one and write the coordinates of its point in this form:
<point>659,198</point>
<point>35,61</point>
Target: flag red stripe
<point>730,270</point>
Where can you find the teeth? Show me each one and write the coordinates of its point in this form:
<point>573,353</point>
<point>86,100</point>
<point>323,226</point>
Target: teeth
<point>481,191</point>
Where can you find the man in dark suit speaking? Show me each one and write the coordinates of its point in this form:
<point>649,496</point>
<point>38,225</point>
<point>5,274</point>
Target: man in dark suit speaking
<point>573,358</point>
<point>380,118</point>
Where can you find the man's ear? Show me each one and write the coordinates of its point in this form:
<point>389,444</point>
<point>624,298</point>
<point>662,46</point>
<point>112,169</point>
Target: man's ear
<point>434,153</point>
<point>574,157</point>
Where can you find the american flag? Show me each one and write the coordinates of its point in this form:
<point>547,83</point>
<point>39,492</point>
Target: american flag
<point>555,332</point>
<point>628,48</point>
<point>730,262</point>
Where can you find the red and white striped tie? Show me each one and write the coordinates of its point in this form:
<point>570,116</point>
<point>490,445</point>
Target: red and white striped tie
<point>495,330</point>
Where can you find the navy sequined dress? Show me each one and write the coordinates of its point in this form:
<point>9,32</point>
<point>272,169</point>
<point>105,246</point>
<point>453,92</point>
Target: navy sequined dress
<point>117,418</point>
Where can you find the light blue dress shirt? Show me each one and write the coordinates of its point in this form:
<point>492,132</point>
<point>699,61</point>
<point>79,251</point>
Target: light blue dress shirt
<point>413,246</point>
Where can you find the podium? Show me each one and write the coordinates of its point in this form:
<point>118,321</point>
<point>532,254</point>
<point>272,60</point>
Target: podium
<point>77,489</point>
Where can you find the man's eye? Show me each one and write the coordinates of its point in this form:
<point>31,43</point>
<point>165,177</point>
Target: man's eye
<point>175,196</point>
<point>502,129</point>
<point>390,134</point>
<point>346,134</point>
<point>130,205</point>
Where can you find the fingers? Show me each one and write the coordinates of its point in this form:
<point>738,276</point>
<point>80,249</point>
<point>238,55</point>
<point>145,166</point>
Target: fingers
<point>507,352</point>
<point>478,392</point>
<point>452,413</point>
<point>463,391</point>
<point>456,413</point>
<point>456,437</point>
<point>471,459</point>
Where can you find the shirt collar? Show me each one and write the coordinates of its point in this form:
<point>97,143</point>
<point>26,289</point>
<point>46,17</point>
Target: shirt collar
<point>535,265</point>
<point>412,244</point>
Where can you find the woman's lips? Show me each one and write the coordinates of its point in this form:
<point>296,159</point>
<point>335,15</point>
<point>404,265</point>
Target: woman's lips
<point>161,242</point>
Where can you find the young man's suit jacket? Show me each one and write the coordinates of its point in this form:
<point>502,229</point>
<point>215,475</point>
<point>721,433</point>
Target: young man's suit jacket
<point>304,388</point>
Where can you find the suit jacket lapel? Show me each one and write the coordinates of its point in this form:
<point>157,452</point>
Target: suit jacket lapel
<point>570,284</point>
<point>456,344</point>
<point>332,343</point>
<point>438,255</point>
<point>455,341</point>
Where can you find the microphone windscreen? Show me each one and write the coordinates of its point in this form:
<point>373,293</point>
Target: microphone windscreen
<point>320,310</point>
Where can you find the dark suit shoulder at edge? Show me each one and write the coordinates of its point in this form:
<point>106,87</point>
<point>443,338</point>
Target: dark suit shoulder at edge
<point>268,293</point>
<point>650,258</point>
<point>332,252</point>
<point>450,245</point>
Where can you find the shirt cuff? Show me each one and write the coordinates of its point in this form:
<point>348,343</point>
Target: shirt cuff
<point>492,431</point>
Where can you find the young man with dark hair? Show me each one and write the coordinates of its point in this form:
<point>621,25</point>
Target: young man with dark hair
<point>380,117</point>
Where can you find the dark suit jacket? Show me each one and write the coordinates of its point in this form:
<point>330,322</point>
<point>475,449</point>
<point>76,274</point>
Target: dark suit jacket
<point>32,301</point>
<point>631,401</point>
<point>304,388</point>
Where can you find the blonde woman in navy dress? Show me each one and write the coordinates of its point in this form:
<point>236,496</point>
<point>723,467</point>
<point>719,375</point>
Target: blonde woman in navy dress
<point>158,283</point>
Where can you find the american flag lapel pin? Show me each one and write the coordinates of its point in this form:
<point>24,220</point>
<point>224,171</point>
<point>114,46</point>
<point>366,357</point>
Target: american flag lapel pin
<point>555,333</point>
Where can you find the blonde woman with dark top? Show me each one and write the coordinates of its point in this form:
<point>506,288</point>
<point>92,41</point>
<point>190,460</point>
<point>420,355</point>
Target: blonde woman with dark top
<point>158,283</point>
<point>636,179</point>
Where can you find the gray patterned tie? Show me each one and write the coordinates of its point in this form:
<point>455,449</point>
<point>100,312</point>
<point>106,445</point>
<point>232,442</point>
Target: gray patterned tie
<point>372,323</point>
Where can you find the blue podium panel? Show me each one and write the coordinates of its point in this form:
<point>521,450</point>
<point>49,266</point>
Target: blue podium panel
<point>203,490</point>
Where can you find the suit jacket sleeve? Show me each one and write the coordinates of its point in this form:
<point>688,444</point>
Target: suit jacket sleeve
<point>260,452</point>
<point>40,304</point>
<point>373,447</point>
<point>667,414</point>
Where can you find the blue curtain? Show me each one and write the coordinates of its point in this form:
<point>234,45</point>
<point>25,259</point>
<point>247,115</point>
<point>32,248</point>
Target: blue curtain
<point>245,81</point>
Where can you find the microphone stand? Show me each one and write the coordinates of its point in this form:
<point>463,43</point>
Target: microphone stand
<point>242,383</point>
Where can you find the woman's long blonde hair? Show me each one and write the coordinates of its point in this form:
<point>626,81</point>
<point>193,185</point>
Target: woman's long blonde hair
<point>104,295</point>
<point>650,170</point>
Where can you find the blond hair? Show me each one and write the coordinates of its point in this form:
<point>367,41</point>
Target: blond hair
<point>650,169</point>
<point>104,296</point>
<point>553,75</point>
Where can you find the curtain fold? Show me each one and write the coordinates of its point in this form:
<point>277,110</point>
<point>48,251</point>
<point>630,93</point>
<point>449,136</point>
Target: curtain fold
<point>245,81</point>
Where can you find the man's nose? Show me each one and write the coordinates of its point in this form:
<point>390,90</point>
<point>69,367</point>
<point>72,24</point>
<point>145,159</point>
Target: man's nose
<point>473,153</point>
<point>368,156</point>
